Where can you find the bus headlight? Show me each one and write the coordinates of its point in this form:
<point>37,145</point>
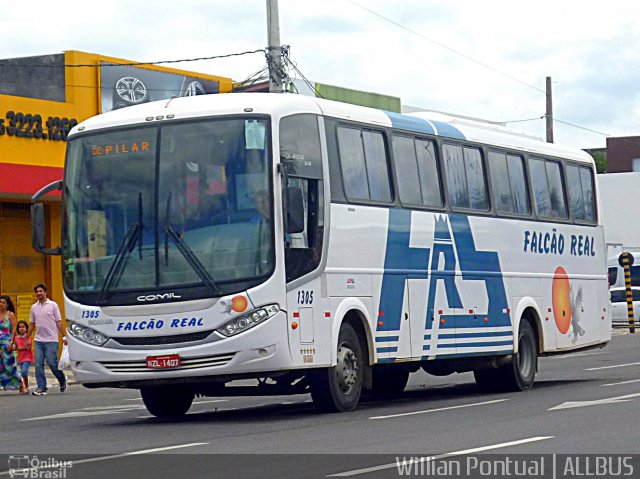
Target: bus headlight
<point>87,335</point>
<point>248,320</point>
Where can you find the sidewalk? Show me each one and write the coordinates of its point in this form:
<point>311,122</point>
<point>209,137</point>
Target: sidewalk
<point>52,382</point>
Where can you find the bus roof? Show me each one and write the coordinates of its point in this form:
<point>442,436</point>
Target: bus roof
<point>278,105</point>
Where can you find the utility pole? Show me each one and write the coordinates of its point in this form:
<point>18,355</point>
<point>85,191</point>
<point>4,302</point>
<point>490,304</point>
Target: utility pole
<point>549,115</point>
<point>274,55</point>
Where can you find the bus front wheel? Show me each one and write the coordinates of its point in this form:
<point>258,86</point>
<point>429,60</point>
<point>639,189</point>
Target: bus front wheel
<point>166,401</point>
<point>338,388</point>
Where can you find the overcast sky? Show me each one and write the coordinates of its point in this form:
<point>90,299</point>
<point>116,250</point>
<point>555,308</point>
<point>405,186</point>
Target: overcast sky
<point>486,59</point>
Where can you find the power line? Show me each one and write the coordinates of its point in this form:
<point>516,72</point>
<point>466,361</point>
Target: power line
<point>581,127</point>
<point>558,121</point>
<point>442,45</point>
<point>287,62</point>
<point>526,119</point>
<point>467,57</point>
<point>132,64</point>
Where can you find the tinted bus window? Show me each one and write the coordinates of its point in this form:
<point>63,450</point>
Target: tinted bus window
<point>417,171</point>
<point>377,167</point>
<point>352,163</point>
<point>465,177</point>
<point>548,192</point>
<point>580,188</point>
<point>508,183</point>
<point>364,151</point>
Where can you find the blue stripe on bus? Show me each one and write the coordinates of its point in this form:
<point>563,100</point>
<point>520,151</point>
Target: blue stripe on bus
<point>399,260</point>
<point>456,246</point>
<point>387,360</point>
<point>387,339</point>
<point>461,355</point>
<point>476,345</point>
<point>448,130</point>
<point>487,334</point>
<point>411,123</point>
<point>387,350</point>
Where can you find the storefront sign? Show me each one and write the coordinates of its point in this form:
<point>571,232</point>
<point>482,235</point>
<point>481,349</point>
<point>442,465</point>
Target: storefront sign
<point>28,125</point>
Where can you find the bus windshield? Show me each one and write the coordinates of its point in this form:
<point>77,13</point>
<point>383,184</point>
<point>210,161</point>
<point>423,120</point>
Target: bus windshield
<point>183,210</point>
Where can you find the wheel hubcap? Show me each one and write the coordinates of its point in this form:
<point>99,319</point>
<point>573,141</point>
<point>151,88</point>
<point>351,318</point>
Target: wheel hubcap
<point>346,369</point>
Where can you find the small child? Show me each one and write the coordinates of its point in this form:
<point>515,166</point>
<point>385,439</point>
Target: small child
<point>22,344</point>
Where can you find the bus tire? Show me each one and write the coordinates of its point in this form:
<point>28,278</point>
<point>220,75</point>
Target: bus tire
<point>338,388</point>
<point>521,373</point>
<point>165,401</point>
<point>389,380</point>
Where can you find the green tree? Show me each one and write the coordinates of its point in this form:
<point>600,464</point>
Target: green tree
<point>600,158</point>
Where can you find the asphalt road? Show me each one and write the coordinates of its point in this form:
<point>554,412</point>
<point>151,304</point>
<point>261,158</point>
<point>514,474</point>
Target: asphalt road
<point>585,403</point>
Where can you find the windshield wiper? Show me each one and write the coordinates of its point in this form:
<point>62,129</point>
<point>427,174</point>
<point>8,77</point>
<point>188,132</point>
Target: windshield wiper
<point>192,259</point>
<point>133,236</point>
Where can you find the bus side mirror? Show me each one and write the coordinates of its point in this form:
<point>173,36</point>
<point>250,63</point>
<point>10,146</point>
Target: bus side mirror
<point>38,224</point>
<point>295,210</point>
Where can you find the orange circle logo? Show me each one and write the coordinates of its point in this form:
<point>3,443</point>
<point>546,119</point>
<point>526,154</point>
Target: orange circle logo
<point>560,296</point>
<point>239,304</point>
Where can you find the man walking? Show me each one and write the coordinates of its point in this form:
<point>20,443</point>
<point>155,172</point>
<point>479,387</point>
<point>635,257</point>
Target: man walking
<point>47,321</point>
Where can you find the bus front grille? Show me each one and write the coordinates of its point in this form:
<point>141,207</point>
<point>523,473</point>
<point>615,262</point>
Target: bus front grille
<point>160,340</point>
<point>186,363</point>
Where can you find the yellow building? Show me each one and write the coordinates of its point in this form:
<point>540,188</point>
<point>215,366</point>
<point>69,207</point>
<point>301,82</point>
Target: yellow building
<point>41,99</point>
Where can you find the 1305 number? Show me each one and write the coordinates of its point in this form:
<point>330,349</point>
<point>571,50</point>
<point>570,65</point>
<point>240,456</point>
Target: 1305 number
<point>305,297</point>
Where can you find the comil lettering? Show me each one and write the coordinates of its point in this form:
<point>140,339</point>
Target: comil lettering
<point>158,297</point>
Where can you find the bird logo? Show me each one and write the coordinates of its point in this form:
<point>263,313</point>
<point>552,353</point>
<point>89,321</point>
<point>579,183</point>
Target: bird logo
<point>577,308</point>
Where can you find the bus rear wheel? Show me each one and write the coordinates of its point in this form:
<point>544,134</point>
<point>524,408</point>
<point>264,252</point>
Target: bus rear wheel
<point>338,388</point>
<point>167,401</point>
<point>519,374</point>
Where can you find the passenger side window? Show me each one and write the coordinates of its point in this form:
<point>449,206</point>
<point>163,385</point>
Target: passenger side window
<point>466,183</point>
<point>581,197</point>
<point>548,192</point>
<point>363,151</point>
<point>508,183</point>
<point>417,171</point>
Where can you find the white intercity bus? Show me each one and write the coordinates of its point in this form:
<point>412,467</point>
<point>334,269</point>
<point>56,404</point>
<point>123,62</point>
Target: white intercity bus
<point>312,246</point>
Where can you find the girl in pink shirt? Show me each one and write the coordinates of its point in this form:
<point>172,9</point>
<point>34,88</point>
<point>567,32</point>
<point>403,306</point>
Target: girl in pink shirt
<point>22,344</point>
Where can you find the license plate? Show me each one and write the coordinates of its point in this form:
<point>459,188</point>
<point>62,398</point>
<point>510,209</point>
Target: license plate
<point>163,362</point>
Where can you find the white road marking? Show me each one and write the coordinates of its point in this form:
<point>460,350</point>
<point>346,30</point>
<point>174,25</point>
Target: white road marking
<point>438,409</point>
<point>448,454</point>
<point>577,355</point>
<point>597,402</point>
<point>622,382</point>
<point>119,456</point>
<point>66,415</point>
<point>612,367</point>
<point>211,401</point>
<point>100,410</point>
<point>125,407</point>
